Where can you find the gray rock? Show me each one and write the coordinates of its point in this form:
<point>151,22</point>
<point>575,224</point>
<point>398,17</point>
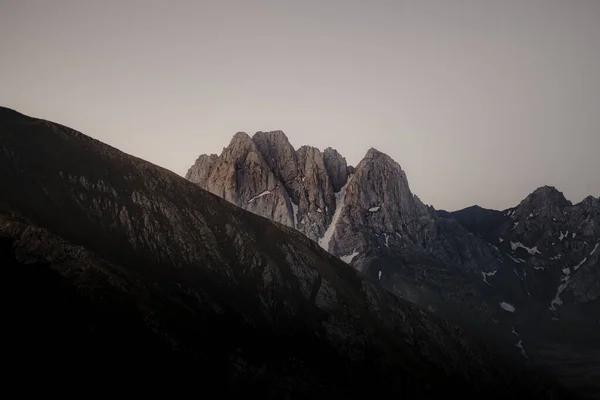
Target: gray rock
<point>378,202</point>
<point>201,169</point>
<point>241,176</point>
<point>265,175</point>
<point>280,156</point>
<point>337,169</point>
<point>317,200</point>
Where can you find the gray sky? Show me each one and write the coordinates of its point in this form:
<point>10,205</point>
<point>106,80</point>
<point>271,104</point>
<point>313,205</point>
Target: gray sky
<point>479,101</point>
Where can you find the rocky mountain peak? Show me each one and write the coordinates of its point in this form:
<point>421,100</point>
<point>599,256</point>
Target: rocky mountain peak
<point>378,203</point>
<point>274,145</point>
<point>591,201</point>
<point>373,153</point>
<point>369,218</point>
<point>377,165</point>
<point>281,158</point>
<point>266,175</point>
<point>240,145</point>
<point>336,167</point>
<point>277,135</point>
<point>240,137</point>
<point>317,199</point>
<point>545,201</point>
<point>201,168</point>
<point>314,191</point>
<point>374,156</point>
<point>547,195</point>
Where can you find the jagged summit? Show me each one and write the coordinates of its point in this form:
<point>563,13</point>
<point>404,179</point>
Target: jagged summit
<point>373,153</point>
<point>591,201</point>
<point>546,201</point>
<point>474,207</point>
<point>547,194</point>
<point>375,156</point>
<point>240,136</point>
<point>337,168</point>
<point>548,190</point>
<point>277,134</point>
<point>203,163</point>
<point>369,217</point>
<point>315,191</point>
<point>266,175</point>
<point>241,140</point>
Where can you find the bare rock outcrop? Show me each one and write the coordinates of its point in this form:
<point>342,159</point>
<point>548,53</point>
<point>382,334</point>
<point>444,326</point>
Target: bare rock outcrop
<point>266,175</point>
<point>337,169</point>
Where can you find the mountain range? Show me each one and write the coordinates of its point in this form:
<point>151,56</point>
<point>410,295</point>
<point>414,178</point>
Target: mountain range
<point>117,273</point>
<point>526,278</point>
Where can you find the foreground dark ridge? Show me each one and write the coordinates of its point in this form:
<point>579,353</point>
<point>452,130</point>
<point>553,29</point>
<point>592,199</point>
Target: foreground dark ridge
<point>108,261</point>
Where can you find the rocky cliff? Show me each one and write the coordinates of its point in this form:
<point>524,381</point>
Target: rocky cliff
<point>264,174</point>
<point>367,216</point>
<point>527,269</point>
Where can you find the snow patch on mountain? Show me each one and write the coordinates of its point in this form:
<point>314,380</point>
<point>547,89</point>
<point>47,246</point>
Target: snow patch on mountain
<point>557,301</point>
<point>348,258</point>
<point>339,206</point>
<point>266,192</point>
<point>486,274</point>
<point>563,235</point>
<point>531,250</point>
<point>507,307</point>
<point>520,346</point>
<point>580,264</point>
<point>517,260</point>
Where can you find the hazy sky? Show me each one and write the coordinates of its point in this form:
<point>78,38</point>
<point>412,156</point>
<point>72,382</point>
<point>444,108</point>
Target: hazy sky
<point>479,101</point>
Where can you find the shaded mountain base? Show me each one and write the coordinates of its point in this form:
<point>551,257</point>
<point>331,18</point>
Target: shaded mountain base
<point>49,326</point>
<point>54,329</point>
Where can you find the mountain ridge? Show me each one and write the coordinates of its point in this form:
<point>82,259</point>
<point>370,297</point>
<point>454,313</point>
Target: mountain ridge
<point>495,267</point>
<point>256,307</point>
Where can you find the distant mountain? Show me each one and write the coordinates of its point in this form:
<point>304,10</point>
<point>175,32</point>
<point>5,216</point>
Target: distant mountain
<point>115,268</point>
<point>477,267</point>
<point>477,220</point>
<point>552,240</point>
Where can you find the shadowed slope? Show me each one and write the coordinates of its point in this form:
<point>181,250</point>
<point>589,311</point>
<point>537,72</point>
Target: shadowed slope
<point>157,274</point>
